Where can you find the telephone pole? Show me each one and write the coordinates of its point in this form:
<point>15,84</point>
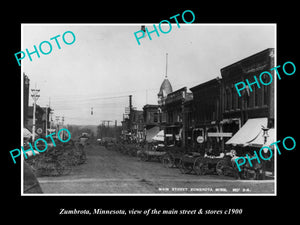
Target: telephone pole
<point>46,119</point>
<point>57,125</point>
<point>62,121</point>
<point>108,121</point>
<point>130,112</point>
<point>116,129</point>
<point>35,97</point>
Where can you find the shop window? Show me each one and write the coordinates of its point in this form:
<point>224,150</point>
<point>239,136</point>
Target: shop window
<point>155,117</point>
<point>233,104</point>
<point>239,102</point>
<point>248,97</point>
<point>227,99</point>
<point>256,96</point>
<point>265,90</point>
<point>265,95</point>
<point>224,100</point>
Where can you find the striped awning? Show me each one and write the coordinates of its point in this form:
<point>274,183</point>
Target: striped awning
<point>250,131</point>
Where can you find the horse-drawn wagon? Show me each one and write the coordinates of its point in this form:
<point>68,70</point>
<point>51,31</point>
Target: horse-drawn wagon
<point>227,167</point>
<point>173,156</point>
<point>152,152</point>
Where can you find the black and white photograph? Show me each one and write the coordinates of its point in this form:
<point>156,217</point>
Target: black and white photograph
<point>151,112</point>
<point>178,109</point>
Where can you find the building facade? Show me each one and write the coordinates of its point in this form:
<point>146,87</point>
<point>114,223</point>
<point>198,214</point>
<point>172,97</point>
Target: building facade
<point>26,83</point>
<point>248,116</point>
<point>151,121</point>
<point>174,126</point>
<point>207,115</point>
<point>138,125</point>
<point>165,89</point>
<point>41,118</point>
<point>150,115</point>
<point>251,104</point>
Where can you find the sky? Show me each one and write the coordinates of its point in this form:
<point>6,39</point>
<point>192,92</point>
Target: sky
<point>105,64</point>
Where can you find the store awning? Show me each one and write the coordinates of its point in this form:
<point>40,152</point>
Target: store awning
<point>259,141</point>
<point>159,136</point>
<point>150,133</point>
<point>249,131</point>
<point>26,133</point>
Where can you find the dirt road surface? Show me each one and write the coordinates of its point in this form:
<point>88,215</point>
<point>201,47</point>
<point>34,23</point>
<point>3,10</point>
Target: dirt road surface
<point>110,172</point>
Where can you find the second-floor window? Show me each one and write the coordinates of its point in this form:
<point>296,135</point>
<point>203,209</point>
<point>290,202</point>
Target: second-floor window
<point>155,117</point>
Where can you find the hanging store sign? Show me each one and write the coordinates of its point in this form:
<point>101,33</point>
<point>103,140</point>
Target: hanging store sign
<point>219,134</point>
<point>39,131</point>
<point>265,73</point>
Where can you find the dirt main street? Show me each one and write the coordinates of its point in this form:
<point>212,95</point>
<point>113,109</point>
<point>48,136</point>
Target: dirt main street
<point>110,172</point>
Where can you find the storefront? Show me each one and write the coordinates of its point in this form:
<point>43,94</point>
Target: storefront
<point>245,115</point>
<point>253,135</point>
<point>206,116</point>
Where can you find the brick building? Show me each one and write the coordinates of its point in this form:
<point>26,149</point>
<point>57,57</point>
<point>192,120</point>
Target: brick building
<point>246,115</point>
<point>174,125</point>
<point>151,121</point>
<point>207,115</point>
<point>26,82</point>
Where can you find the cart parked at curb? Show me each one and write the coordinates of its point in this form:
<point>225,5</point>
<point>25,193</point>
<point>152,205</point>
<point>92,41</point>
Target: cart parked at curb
<point>153,152</point>
<point>173,156</point>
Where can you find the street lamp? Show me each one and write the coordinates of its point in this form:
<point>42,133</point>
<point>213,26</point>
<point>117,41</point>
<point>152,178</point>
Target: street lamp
<point>265,135</point>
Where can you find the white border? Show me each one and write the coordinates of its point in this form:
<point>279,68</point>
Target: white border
<point>159,194</point>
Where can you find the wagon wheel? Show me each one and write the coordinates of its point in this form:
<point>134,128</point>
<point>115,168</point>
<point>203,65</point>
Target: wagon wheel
<point>67,170</point>
<point>161,157</point>
<point>168,161</point>
<point>42,168</point>
<point>48,169</point>
<point>133,152</point>
<point>177,162</point>
<point>41,171</point>
<point>185,167</point>
<point>143,156</point>
<point>200,166</point>
<point>250,175</point>
<point>59,168</point>
<point>67,167</point>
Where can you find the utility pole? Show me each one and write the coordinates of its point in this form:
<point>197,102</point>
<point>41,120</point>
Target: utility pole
<point>48,117</point>
<point>107,132</point>
<point>62,121</point>
<point>46,120</point>
<point>116,129</point>
<point>108,121</point>
<point>35,97</point>
<point>57,125</point>
<point>51,119</point>
<point>130,112</point>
